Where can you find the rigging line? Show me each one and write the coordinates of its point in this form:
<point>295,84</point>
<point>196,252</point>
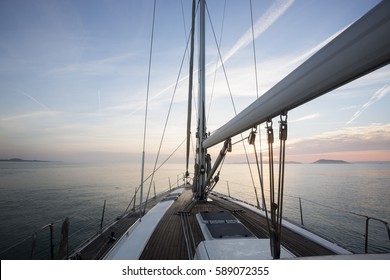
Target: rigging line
<point>254,50</point>
<point>282,158</point>
<point>261,187</point>
<point>184,24</point>
<point>273,230</point>
<point>271,161</point>
<point>239,141</point>
<point>184,19</point>
<point>131,202</point>
<point>216,64</point>
<point>169,111</point>
<point>331,207</point>
<point>249,165</point>
<point>220,57</point>
<point>168,158</point>
<point>155,170</point>
<point>257,96</point>
<point>230,92</point>
<point>146,107</point>
<point>261,162</point>
<point>251,140</point>
<point>219,171</point>
<point>212,181</point>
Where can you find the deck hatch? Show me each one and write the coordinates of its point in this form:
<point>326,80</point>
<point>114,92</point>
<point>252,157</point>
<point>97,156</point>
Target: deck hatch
<point>228,230</point>
<point>222,225</point>
<point>218,217</point>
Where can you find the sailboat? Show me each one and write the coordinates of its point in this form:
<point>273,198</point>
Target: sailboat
<point>193,222</point>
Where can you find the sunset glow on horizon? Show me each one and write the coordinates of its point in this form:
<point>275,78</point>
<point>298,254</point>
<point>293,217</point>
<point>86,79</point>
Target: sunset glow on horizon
<point>73,79</point>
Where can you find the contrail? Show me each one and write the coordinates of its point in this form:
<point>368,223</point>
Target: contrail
<point>99,101</point>
<point>262,24</point>
<point>376,97</point>
<point>36,101</point>
<point>316,48</point>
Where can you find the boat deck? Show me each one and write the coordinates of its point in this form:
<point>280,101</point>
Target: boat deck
<point>169,241</point>
<point>178,233</point>
<point>97,247</point>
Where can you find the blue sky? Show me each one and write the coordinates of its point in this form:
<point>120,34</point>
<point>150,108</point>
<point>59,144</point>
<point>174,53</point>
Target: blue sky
<point>73,77</point>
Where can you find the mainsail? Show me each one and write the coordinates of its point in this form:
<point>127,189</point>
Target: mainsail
<point>360,49</point>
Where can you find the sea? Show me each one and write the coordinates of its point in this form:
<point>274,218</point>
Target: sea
<point>333,200</point>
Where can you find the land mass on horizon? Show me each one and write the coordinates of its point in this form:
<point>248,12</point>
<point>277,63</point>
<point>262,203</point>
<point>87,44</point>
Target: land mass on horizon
<point>23,160</point>
<point>330,161</point>
<point>320,161</point>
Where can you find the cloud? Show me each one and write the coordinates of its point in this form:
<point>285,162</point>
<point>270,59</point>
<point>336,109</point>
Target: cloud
<point>359,138</point>
<point>276,68</point>
<point>378,95</point>
<point>298,60</point>
<point>94,67</point>
<point>305,118</point>
<point>38,114</point>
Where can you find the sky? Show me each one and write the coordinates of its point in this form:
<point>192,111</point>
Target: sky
<point>73,78</point>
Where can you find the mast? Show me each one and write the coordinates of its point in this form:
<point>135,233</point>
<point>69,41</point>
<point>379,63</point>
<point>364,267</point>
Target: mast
<point>201,135</point>
<point>190,87</point>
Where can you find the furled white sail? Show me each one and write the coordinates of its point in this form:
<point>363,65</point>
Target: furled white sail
<point>362,48</point>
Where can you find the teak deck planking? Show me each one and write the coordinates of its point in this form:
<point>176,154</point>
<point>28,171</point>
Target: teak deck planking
<point>168,242</point>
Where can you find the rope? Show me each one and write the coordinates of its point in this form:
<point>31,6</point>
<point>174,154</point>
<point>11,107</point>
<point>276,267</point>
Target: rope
<point>151,174</point>
<point>146,106</point>
<point>222,64</point>
<point>261,184</point>
<point>277,204</point>
<point>216,64</point>
<point>282,160</point>
<point>231,95</point>
<point>257,95</point>
<point>273,230</point>
<point>270,135</point>
<point>169,112</point>
<point>254,50</point>
<point>155,170</point>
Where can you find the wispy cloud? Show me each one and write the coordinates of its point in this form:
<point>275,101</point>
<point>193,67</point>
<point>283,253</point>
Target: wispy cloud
<point>376,97</point>
<point>94,67</point>
<point>305,118</point>
<point>308,53</point>
<point>276,68</point>
<point>38,114</point>
<point>358,138</point>
<point>262,24</point>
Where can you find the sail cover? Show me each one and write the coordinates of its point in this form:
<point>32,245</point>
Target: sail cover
<point>360,49</point>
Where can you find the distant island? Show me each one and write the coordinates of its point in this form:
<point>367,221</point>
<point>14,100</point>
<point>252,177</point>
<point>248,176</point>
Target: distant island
<point>275,162</point>
<point>23,160</point>
<point>330,161</point>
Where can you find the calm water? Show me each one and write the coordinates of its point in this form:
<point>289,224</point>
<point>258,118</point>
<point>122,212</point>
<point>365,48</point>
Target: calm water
<point>33,195</point>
